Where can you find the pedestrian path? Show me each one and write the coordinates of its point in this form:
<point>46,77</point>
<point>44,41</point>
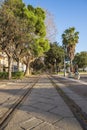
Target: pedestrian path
<point>44,109</point>
<point>80,101</point>
<point>76,80</point>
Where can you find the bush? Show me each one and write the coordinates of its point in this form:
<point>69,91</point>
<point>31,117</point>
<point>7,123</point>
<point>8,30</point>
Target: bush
<point>3,75</point>
<point>36,72</point>
<point>18,75</point>
<point>15,75</point>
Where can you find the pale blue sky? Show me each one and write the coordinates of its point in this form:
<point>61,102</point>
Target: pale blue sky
<point>67,13</point>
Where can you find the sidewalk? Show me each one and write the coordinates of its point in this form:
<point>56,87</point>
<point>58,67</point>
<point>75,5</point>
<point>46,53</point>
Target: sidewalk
<point>80,101</point>
<point>44,109</point>
<point>76,80</point>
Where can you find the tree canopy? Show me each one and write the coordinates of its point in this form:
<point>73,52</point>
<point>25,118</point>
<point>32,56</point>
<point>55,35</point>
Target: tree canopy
<point>22,31</point>
<point>70,39</point>
<point>54,56</point>
<point>81,59</point>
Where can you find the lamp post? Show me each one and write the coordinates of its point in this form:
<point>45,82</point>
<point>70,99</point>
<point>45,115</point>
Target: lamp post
<point>65,50</point>
<point>64,67</point>
<point>55,66</point>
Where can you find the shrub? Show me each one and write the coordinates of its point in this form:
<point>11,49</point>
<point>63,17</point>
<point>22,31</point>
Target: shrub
<point>3,75</point>
<point>18,75</point>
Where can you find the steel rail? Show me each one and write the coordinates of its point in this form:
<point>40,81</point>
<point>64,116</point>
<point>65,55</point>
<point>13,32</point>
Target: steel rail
<point>8,115</point>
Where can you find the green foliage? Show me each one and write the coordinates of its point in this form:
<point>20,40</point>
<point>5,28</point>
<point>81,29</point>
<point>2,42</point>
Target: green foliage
<point>15,75</point>
<point>70,39</point>
<point>15,6</point>
<point>40,46</point>
<point>81,59</point>
<point>36,72</point>
<point>55,55</point>
<point>31,8</point>
<point>18,75</point>
<point>37,65</point>
<point>3,75</point>
<point>40,13</point>
<point>22,31</point>
<point>40,28</point>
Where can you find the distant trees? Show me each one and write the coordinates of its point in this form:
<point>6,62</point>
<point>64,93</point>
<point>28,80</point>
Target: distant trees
<point>38,65</point>
<point>70,39</point>
<point>81,59</point>
<point>54,57</point>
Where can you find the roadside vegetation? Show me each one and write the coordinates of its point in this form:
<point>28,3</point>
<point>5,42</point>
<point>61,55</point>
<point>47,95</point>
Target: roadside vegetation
<point>27,36</point>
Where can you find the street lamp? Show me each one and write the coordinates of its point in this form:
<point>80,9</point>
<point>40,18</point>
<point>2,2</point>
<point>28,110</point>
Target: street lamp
<point>65,50</point>
<point>64,67</point>
<point>55,66</point>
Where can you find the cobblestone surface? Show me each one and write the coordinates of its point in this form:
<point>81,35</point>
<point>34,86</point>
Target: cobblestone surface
<point>80,101</point>
<point>44,109</point>
<point>10,91</point>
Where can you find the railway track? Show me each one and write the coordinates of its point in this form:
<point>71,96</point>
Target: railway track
<point>4,120</point>
<point>76,110</point>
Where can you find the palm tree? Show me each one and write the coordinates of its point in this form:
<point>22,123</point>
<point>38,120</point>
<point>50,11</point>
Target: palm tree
<point>70,39</point>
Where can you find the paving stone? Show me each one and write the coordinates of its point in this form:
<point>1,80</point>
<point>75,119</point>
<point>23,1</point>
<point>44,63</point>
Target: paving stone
<point>46,126</point>
<point>45,116</point>
<point>47,93</point>
<point>63,111</point>
<point>9,103</point>
<point>59,101</point>
<point>44,98</point>
<point>37,97</point>
<point>68,124</point>
<point>51,101</point>
<point>80,101</point>
<point>31,123</point>
<point>43,106</point>
<point>21,116</point>
<point>44,109</point>
<point>82,104</point>
<point>3,110</point>
<point>13,128</point>
<point>75,97</point>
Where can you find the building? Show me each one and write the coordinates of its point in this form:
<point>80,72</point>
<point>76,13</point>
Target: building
<point>4,64</point>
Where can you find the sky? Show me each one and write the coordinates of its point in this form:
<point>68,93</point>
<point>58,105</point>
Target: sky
<point>67,13</point>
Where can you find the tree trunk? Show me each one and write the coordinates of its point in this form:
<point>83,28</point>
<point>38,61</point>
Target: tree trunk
<point>18,65</point>
<point>27,72</point>
<point>9,67</point>
<point>71,66</point>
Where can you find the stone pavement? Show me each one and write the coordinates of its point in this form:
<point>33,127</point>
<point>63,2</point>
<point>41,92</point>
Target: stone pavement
<point>10,92</point>
<point>44,109</point>
<point>80,101</point>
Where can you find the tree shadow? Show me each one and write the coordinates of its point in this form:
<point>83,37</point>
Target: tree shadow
<point>43,104</point>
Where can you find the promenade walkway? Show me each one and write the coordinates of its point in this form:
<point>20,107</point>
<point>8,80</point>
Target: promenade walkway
<point>44,109</point>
